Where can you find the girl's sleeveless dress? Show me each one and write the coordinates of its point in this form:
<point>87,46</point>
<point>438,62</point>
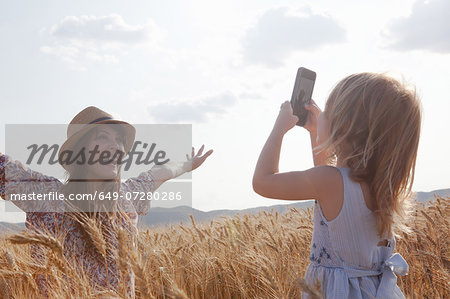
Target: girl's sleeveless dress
<point>344,254</point>
<point>15,178</point>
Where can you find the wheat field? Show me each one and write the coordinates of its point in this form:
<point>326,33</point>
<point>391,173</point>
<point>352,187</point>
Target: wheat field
<point>250,256</point>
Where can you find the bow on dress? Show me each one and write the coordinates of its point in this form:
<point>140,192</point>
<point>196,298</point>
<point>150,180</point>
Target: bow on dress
<point>395,264</point>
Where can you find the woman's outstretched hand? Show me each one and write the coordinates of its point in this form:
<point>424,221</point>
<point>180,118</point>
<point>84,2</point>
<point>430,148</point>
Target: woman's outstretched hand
<point>198,159</point>
<point>313,115</point>
<point>286,120</point>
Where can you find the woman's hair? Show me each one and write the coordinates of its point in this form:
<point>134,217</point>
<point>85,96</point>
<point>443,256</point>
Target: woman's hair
<point>374,126</point>
<point>99,211</point>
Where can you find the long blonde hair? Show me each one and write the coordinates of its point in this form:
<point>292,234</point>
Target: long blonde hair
<point>374,125</point>
<point>103,215</point>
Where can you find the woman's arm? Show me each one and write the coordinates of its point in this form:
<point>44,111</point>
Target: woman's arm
<point>171,170</point>
<point>294,185</point>
<point>150,180</point>
<point>168,171</point>
<point>19,180</point>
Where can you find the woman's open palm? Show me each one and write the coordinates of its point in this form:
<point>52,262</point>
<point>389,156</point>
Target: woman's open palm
<point>198,159</point>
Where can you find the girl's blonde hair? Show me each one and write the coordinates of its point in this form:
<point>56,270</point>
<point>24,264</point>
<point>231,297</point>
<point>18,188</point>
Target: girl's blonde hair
<point>374,125</point>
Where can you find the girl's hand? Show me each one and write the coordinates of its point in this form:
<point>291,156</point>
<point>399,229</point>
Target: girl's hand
<point>197,159</point>
<point>313,115</point>
<point>286,120</point>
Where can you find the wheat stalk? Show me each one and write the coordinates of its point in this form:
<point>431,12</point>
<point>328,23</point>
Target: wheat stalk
<point>37,238</point>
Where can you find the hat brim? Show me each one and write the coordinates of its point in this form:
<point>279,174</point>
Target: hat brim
<point>129,132</point>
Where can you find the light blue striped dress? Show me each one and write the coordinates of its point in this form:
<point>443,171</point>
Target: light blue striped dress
<point>344,254</point>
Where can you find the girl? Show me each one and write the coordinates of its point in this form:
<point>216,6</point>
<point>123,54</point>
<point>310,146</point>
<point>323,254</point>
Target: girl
<point>370,131</point>
<point>90,129</point>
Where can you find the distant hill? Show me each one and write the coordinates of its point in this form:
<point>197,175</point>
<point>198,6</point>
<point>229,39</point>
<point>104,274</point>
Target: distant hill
<point>8,227</point>
<point>162,216</point>
<point>425,196</point>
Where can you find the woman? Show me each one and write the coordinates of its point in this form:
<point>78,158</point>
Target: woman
<point>91,129</point>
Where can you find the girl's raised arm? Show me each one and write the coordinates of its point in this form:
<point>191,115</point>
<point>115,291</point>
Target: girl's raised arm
<point>320,157</point>
<point>294,185</point>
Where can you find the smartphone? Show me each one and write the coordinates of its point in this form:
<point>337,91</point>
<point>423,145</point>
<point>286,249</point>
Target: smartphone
<point>303,89</point>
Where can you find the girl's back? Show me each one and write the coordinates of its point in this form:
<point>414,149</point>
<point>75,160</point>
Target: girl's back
<point>345,253</point>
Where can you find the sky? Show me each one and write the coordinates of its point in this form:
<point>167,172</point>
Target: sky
<point>224,67</point>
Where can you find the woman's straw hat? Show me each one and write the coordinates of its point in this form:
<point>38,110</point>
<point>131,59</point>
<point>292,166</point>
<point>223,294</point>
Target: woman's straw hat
<point>87,119</point>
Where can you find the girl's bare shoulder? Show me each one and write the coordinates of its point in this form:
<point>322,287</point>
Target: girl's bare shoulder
<point>329,181</point>
<point>330,191</point>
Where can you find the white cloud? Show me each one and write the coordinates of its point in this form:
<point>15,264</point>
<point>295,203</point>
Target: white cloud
<point>251,95</point>
<point>192,111</point>
<point>279,32</point>
<point>67,54</point>
<point>110,29</point>
<point>105,58</point>
<point>427,28</point>
<point>77,40</point>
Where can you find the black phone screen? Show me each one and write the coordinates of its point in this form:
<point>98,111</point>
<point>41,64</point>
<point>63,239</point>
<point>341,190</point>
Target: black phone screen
<point>303,96</point>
